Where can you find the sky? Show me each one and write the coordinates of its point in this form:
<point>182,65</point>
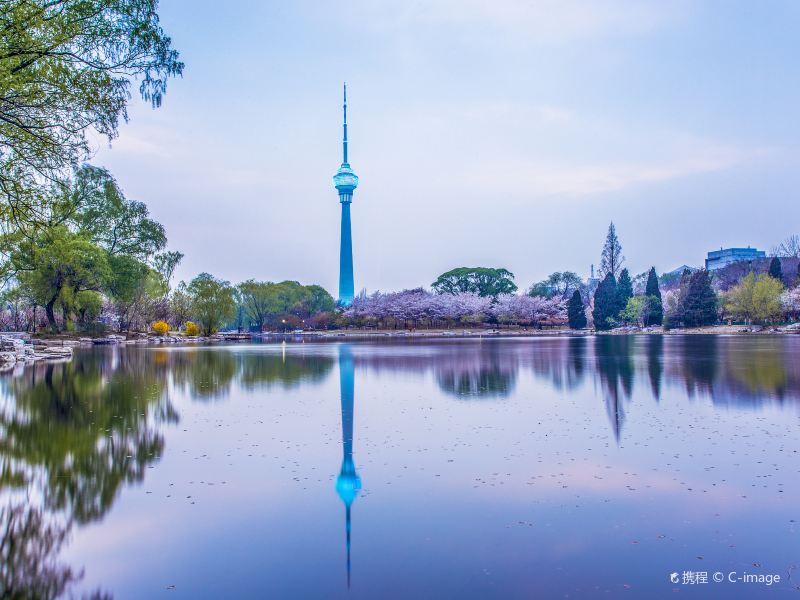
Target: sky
<point>502,133</point>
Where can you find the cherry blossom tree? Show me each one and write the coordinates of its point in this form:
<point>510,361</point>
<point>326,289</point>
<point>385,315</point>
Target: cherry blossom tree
<point>790,302</point>
<point>529,310</point>
<point>418,307</point>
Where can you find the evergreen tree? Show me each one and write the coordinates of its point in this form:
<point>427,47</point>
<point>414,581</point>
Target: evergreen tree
<point>605,303</point>
<point>576,312</point>
<point>624,291</point>
<point>775,270</point>
<point>700,301</point>
<point>651,290</point>
<point>611,259</point>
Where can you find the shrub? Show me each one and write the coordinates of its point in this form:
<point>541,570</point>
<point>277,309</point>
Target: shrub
<point>191,328</point>
<point>756,299</point>
<point>161,327</point>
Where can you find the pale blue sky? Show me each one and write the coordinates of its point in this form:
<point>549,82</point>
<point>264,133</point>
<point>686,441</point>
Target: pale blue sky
<point>503,133</point>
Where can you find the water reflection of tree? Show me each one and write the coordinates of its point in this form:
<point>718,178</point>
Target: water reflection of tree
<point>210,373</point>
<point>290,370</point>
<point>73,434</point>
<point>562,362</point>
<point>699,361</point>
<point>577,359</point>
<point>29,548</point>
<point>655,365</point>
<point>614,363</point>
<point>81,429</point>
<point>204,373</point>
<point>486,370</point>
<point>752,372</point>
<point>761,371</point>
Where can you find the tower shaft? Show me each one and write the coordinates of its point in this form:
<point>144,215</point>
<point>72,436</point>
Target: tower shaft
<point>346,291</point>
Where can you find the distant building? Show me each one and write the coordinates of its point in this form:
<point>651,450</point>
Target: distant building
<point>679,271</point>
<point>592,282</point>
<point>727,256</point>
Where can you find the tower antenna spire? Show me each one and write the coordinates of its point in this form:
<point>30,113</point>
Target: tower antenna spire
<point>344,140</point>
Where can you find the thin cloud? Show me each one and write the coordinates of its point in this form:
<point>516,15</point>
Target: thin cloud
<point>539,21</point>
<point>532,177</point>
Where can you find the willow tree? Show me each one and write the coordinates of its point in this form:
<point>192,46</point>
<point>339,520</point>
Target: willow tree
<point>67,66</point>
<point>212,302</point>
<point>61,265</point>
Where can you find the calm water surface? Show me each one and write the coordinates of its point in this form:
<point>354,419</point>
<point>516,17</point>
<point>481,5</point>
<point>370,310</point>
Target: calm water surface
<point>517,468</point>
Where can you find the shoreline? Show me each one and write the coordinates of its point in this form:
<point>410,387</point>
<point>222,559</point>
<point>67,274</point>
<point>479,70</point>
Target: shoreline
<point>55,340</point>
<point>555,332</point>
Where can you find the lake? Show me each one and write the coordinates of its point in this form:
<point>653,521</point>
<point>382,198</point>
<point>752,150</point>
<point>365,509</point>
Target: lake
<point>610,466</point>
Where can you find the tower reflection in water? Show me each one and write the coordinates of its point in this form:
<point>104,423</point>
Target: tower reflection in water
<point>348,482</point>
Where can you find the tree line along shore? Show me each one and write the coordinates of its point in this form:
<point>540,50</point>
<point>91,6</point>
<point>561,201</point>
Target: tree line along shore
<point>55,297</point>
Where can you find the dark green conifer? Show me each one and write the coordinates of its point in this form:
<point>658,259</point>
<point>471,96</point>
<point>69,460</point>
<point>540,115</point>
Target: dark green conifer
<point>700,301</point>
<point>605,304</point>
<point>775,269</point>
<point>576,312</point>
<point>656,313</point>
<point>624,291</point>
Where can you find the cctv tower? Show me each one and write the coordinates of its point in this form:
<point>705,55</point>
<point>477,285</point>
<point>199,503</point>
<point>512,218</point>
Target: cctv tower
<point>346,182</point>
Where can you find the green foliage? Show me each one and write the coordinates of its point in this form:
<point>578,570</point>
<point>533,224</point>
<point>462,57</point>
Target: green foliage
<point>576,311</point>
<point>58,266</point>
<point>639,310</point>
<point>133,287</point>
<point>775,270</point>
<point>634,310</point>
<point>698,301</point>
<point>88,306</point>
<point>273,303</point>
<point>128,275</point>
<point>317,300</point>
<point>559,284</point>
<point>212,302</point>
<point>180,305</point>
<point>483,281</point>
<point>165,264</point>
<point>655,315</point>
<point>605,304</point>
<point>92,212</point>
<point>66,67</point>
<point>756,299</point>
<point>113,222</point>
<point>624,290</point>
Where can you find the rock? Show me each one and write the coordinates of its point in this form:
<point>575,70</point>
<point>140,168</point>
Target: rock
<point>54,353</point>
<point>15,353</point>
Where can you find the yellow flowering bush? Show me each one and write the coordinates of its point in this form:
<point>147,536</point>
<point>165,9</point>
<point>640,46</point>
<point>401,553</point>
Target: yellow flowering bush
<point>161,327</point>
<point>191,328</point>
